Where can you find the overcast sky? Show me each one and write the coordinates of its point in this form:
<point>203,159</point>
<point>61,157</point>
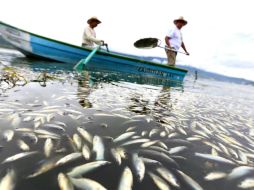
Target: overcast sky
<point>219,35</point>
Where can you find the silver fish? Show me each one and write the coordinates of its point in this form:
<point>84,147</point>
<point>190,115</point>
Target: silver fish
<point>19,156</point>
<point>193,184</point>
<point>240,172</point>
<point>86,168</point>
<point>86,152</point>
<point>22,145</point>
<point>85,134</point>
<point>168,176</point>
<point>138,166</point>
<point>8,181</point>
<point>8,135</point>
<point>98,148</point>
<point>214,158</point>
<point>123,136</point>
<point>247,183</point>
<point>87,184</point>
<point>64,182</point>
<point>48,147</point>
<point>116,155</point>
<point>69,158</point>
<point>135,141</point>
<point>77,140</point>
<point>159,182</point>
<point>215,175</point>
<point>126,180</point>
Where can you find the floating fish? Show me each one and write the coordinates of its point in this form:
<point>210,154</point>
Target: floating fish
<point>69,158</point>
<point>98,148</point>
<point>240,172</point>
<point>86,184</point>
<point>8,135</point>
<point>87,136</point>
<point>138,167</point>
<point>217,159</point>
<point>215,176</point>
<point>8,181</point>
<point>159,182</point>
<point>78,171</point>
<point>168,176</point>
<point>116,155</point>
<point>64,182</point>
<point>19,156</point>
<point>86,152</point>
<point>77,141</point>
<point>191,182</point>
<point>48,147</point>
<point>126,180</point>
<point>247,183</point>
<point>123,136</point>
<point>22,145</point>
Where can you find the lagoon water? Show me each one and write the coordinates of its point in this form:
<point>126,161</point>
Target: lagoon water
<point>196,135</point>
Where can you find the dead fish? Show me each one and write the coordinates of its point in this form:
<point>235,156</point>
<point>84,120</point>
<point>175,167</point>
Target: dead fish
<point>191,182</point>
<point>64,182</point>
<point>150,161</point>
<point>240,172</point>
<point>60,123</point>
<point>45,132</point>
<point>177,150</point>
<point>8,135</point>
<point>8,181</point>
<point>98,148</point>
<point>138,167</point>
<point>135,141</point>
<point>69,158</point>
<point>77,140</point>
<point>87,136</point>
<point>159,182</point>
<point>160,156</point>
<point>44,167</point>
<point>78,171</point>
<point>147,144</point>
<point>86,184</point>
<point>86,152</point>
<point>168,176</point>
<point>54,126</point>
<point>215,158</point>
<point>246,183</point>
<point>116,156</point>
<point>123,136</point>
<point>48,147</point>
<point>126,180</point>
<point>28,118</point>
<point>22,145</point>
<point>19,156</point>
<point>215,176</point>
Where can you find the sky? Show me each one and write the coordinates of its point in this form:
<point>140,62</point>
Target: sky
<point>219,35</point>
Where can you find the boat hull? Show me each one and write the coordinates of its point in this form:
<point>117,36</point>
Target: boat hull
<point>37,46</point>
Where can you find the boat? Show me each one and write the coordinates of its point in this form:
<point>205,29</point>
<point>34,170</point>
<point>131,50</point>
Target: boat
<point>36,46</point>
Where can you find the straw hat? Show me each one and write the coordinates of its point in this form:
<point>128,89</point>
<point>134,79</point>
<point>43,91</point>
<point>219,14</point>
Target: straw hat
<point>180,19</point>
<point>93,19</point>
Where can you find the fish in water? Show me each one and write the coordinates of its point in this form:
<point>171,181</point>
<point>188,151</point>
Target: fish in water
<point>126,180</point>
<point>64,182</point>
<point>8,181</point>
<point>86,184</point>
<point>138,166</point>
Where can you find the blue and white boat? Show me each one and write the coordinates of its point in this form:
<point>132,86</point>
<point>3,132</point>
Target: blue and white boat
<point>34,45</point>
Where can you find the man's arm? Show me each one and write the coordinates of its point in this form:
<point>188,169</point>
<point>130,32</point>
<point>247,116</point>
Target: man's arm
<point>184,48</point>
<point>167,41</point>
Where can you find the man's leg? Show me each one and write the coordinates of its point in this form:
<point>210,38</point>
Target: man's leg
<point>171,57</point>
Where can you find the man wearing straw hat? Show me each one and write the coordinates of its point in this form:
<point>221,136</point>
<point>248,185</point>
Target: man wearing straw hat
<point>89,35</point>
<point>174,40</point>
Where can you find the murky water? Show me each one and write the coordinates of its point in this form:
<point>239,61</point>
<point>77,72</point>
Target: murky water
<point>60,130</point>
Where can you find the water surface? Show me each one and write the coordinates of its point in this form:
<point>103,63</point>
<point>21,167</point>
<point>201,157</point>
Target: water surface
<point>201,132</point>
